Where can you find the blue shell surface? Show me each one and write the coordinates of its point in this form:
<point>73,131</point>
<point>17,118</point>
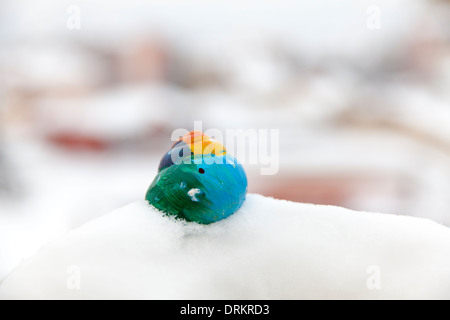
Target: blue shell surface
<point>205,189</point>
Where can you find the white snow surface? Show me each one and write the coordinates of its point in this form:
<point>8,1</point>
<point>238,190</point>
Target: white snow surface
<point>270,249</point>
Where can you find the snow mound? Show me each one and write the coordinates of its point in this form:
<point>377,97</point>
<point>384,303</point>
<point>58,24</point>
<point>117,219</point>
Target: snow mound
<point>270,249</point>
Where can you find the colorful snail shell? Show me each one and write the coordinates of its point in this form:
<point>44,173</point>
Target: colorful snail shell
<point>198,181</point>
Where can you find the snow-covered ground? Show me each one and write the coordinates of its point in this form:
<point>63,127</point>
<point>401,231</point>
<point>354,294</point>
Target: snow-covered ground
<point>60,191</point>
<point>270,249</point>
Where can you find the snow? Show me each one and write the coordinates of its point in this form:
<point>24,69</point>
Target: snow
<point>59,191</point>
<point>270,249</point>
<point>192,193</point>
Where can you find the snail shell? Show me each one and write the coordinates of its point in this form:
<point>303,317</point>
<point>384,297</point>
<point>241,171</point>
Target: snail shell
<point>198,181</point>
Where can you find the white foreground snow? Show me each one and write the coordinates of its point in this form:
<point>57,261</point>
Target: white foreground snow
<point>270,249</point>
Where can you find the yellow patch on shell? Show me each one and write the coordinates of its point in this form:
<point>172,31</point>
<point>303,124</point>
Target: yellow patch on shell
<point>200,143</point>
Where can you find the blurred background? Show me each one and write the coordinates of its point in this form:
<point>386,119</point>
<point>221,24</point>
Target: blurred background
<point>90,92</point>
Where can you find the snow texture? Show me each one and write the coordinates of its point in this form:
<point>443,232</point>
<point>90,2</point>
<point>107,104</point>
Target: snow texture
<point>270,249</point>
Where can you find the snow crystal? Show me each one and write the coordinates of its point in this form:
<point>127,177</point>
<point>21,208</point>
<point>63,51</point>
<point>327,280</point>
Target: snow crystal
<point>192,193</point>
